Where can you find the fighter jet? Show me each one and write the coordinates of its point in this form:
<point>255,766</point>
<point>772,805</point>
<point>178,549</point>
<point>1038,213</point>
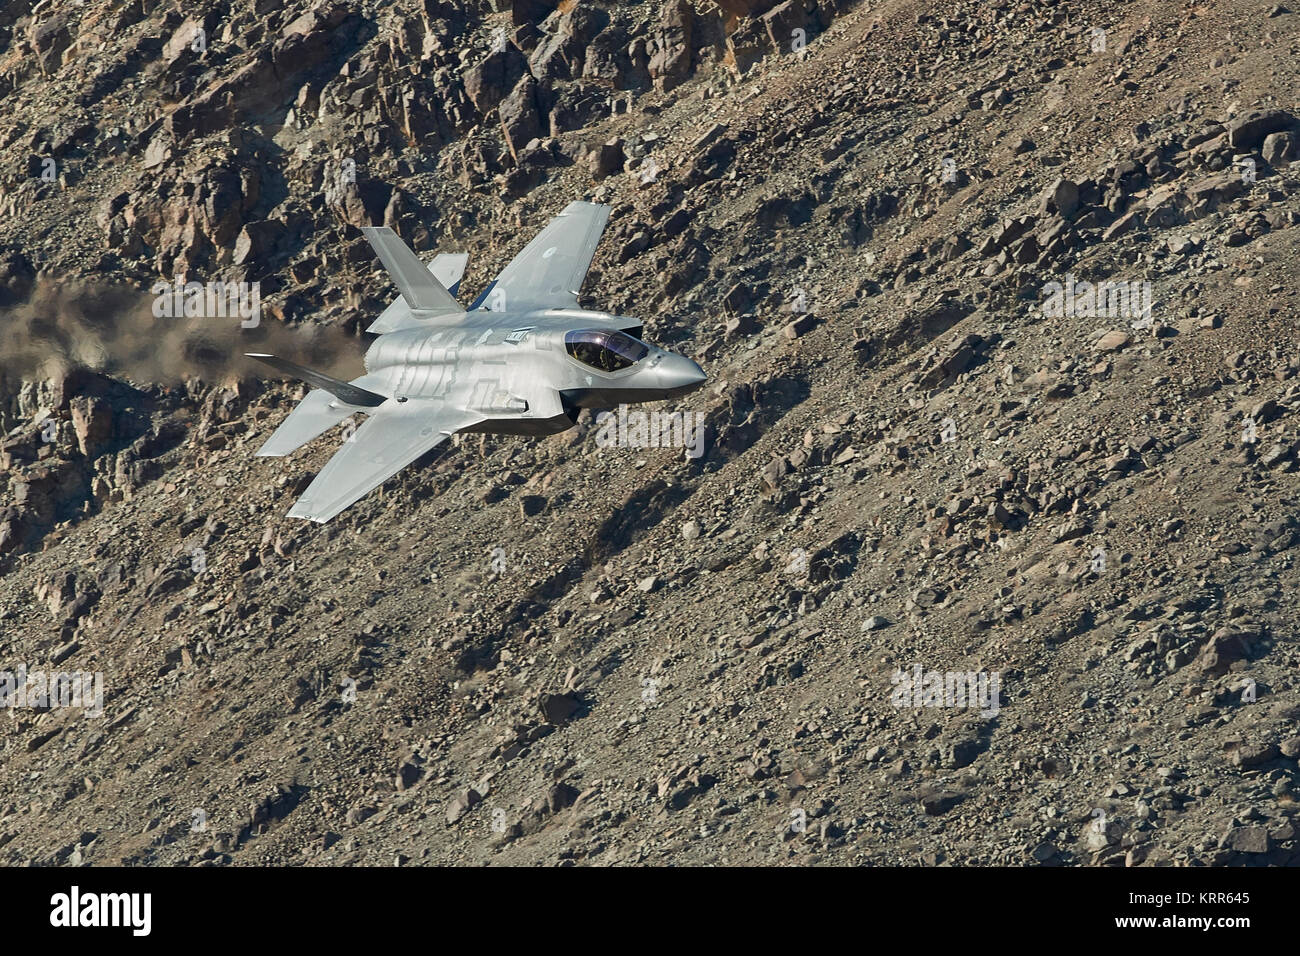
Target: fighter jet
<point>523,359</point>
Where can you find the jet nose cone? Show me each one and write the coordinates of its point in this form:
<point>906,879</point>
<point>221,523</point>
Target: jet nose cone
<point>679,375</point>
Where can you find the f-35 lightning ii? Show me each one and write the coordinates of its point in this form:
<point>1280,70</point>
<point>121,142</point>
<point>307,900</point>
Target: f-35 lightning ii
<point>521,360</point>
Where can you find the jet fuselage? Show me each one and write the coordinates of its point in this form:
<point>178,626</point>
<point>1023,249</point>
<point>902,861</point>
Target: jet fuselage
<point>518,372</point>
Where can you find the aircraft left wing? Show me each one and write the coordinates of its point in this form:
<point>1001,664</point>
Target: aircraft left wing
<point>548,272</point>
<point>392,437</point>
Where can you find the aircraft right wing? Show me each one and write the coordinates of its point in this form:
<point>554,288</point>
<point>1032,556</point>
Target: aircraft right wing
<point>395,435</point>
<point>548,272</point>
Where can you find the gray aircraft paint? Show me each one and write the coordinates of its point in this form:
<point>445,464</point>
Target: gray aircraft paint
<point>437,369</point>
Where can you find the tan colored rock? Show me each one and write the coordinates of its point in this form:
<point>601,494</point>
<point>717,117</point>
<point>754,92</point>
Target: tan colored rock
<point>1112,341</point>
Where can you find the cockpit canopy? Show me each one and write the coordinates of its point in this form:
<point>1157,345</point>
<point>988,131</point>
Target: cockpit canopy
<point>604,349</point>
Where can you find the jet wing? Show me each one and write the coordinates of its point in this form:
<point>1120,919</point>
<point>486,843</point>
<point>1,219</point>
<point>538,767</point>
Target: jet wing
<point>549,271</point>
<point>395,435</point>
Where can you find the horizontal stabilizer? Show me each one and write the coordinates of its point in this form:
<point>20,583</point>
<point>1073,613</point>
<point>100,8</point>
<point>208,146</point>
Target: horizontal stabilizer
<point>344,391</point>
<point>414,281</point>
<point>316,414</point>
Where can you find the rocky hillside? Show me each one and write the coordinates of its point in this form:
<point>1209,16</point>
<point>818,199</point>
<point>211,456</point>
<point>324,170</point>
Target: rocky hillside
<point>933,445</point>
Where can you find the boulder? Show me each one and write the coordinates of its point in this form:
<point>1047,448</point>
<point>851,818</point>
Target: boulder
<point>357,204</point>
<point>520,120</point>
<point>782,22</point>
<point>1061,197</point>
<point>561,55</point>
<point>670,55</point>
<point>606,159</point>
<point>92,422</point>
<point>50,39</point>
<point>1279,148</point>
<point>16,277</point>
<point>744,9</point>
<point>490,80</point>
<point>577,105</point>
<point>258,242</point>
<point>559,708</point>
<point>1249,132</point>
